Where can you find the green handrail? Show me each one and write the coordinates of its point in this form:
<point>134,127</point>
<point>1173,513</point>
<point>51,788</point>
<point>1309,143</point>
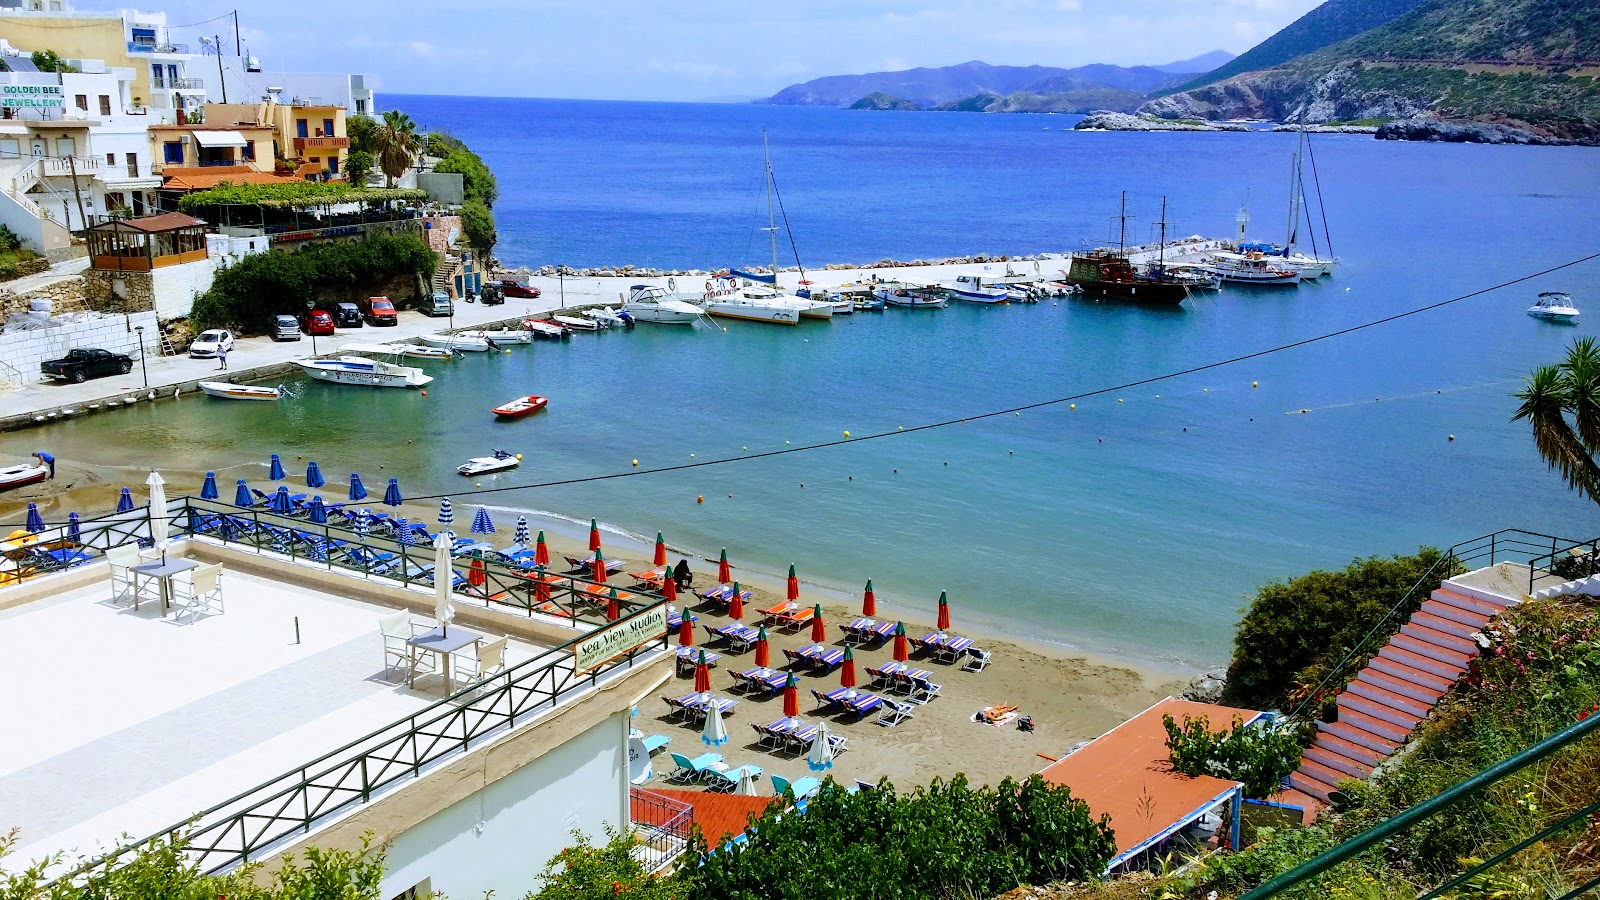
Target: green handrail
<point>1427,809</point>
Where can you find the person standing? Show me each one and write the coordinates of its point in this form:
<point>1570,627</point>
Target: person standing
<point>222,357</point>
<point>45,459</point>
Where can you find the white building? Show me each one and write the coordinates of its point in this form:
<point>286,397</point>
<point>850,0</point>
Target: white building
<point>243,80</point>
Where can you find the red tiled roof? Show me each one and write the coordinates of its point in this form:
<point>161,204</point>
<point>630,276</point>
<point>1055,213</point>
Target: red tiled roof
<point>720,816</point>
<point>1126,773</point>
<point>200,182</point>
<point>151,224</point>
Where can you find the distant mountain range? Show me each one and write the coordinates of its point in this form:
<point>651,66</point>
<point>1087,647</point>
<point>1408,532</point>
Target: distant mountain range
<point>979,86</point>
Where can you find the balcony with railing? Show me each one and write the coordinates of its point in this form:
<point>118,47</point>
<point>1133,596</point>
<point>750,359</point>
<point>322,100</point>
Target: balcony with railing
<point>147,47</point>
<point>302,144</point>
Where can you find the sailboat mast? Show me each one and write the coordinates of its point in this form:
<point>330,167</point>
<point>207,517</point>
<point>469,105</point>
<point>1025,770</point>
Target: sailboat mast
<point>1295,175</point>
<point>1122,236</point>
<point>772,224</point>
<point>1161,253</point>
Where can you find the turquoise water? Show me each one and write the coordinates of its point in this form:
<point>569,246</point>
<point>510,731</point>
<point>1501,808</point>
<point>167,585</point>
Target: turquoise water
<point>1135,527</point>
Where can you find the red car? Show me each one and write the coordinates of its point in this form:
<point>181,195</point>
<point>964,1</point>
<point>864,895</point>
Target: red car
<point>517,289</point>
<point>318,322</point>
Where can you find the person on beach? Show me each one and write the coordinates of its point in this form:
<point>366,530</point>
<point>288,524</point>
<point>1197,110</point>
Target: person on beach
<point>682,576</point>
<point>45,459</point>
<point>222,357</point>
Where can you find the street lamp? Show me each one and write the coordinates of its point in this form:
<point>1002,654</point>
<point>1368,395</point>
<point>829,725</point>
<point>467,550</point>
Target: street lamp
<point>142,369</point>
<point>561,284</point>
<point>309,307</point>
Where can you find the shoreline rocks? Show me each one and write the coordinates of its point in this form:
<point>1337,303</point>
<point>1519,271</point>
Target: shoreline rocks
<point>1435,130</point>
<point>1105,120</point>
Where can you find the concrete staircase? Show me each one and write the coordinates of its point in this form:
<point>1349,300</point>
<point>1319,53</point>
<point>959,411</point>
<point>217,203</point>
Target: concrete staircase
<point>1397,689</point>
<point>444,275</point>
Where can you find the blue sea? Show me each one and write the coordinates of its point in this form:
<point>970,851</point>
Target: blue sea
<point>1137,523</point>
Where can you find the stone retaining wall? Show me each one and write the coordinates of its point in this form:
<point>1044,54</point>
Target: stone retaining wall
<point>25,350</point>
<point>64,295</point>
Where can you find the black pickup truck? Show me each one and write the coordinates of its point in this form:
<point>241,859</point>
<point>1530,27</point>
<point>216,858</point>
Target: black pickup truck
<point>80,365</point>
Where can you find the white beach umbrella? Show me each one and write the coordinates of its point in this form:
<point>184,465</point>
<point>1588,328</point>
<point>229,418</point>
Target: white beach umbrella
<point>715,733</point>
<point>158,510</point>
<point>747,783</point>
<point>821,756</point>
<point>443,611</point>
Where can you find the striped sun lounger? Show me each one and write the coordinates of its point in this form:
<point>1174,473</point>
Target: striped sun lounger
<point>774,736</point>
<point>952,648</point>
<point>768,681</point>
<point>723,593</point>
<point>689,657</point>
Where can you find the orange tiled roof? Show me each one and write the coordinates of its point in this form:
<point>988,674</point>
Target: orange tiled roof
<point>202,180</point>
<point>721,817</point>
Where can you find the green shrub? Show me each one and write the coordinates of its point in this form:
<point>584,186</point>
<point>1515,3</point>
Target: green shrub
<point>586,872</point>
<point>9,240</point>
<point>293,194</point>
<point>477,181</point>
<point>1260,756</point>
<point>477,224</point>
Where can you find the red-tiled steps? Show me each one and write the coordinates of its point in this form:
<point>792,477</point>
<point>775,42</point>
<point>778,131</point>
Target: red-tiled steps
<point>1398,688</point>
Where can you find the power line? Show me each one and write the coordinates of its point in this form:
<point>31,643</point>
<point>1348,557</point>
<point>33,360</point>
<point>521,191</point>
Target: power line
<point>225,15</point>
<point>1027,406</point>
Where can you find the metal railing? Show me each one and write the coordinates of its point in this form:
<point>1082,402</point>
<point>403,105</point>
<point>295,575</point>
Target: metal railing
<point>56,549</point>
<point>661,828</point>
<point>1569,563</point>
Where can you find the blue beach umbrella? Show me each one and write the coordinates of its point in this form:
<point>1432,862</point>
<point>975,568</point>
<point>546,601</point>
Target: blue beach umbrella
<point>363,522</point>
<point>314,475</point>
<point>391,494</point>
<point>74,530</point>
<point>208,491</point>
<point>228,531</point>
<point>318,513</point>
<point>481,523</point>
<point>521,536</point>
<point>447,513</point>
<point>281,503</point>
<point>358,491</point>
<point>125,501</point>
<point>35,521</point>
<point>241,496</point>
<point>275,471</point>
<point>403,531</point>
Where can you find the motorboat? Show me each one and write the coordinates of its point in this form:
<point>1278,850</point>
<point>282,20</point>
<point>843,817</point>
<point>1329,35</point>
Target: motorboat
<point>13,477</point>
<point>417,351</point>
<point>1307,267</point>
<point>971,289</point>
<point>546,331</point>
<point>522,406</point>
<point>228,391</point>
<point>648,303</point>
<point>359,370</point>
<point>1254,268</point>
<point>502,336</point>
<point>1554,306</point>
<point>868,303</point>
<point>909,296</point>
<point>486,465</point>
<point>578,324</point>
<point>608,317</point>
<point>748,305</point>
<point>456,342</point>
<point>1195,278</point>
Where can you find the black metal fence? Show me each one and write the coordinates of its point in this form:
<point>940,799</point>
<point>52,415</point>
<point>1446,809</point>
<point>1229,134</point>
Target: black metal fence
<point>660,827</point>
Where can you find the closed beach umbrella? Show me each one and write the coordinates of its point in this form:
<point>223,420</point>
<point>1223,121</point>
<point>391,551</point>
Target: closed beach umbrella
<point>715,733</point>
<point>363,522</point>
<point>74,530</point>
<point>736,603</point>
<point>402,531</point>
<point>869,603</point>
<point>847,675</point>
<point>443,611</point>
<point>391,494</point>
<point>358,491</point>
<point>481,523</point>
<point>794,585</point>
<point>902,652</point>
<point>541,590</point>
<point>228,531</point>
<point>598,568</point>
<point>669,588</point>
<point>685,630</point>
<point>158,510</point>
<point>613,607</point>
<point>820,758</point>
<point>541,553</point>
<point>314,477</point>
<point>723,575</point>
<point>208,490</point>
<point>763,652</point>
<point>476,575</point>
<point>281,503</point>
<point>35,521</point>
<point>747,783</point>
<point>791,697</point>
<point>594,535</point>
<point>447,513</point>
<point>125,499</point>
<point>241,496</point>
<point>702,674</point>
<point>521,537</point>
<point>660,559</point>
<point>944,611</point>
<point>275,469</point>
<point>819,631</point>
<point>318,513</point>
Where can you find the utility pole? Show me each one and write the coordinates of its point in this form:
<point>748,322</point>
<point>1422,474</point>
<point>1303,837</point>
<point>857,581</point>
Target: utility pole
<point>237,46</point>
<point>216,44</point>
<point>72,166</point>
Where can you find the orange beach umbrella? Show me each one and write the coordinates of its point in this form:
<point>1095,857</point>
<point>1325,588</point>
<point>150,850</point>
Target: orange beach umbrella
<point>723,575</point>
<point>685,631</point>
<point>669,588</point>
<point>791,697</point>
<point>613,608</point>
<point>736,604</point>
<point>475,573</point>
<point>794,585</point>
<point>597,569</point>
<point>901,651</point>
<point>541,591</point>
<point>944,611</point>
<point>702,675</point>
<point>594,535</point>
<point>819,631</point>
<point>763,652</point>
<point>847,675</point>
<point>869,603</point>
<point>660,559</point>
<point>541,553</point>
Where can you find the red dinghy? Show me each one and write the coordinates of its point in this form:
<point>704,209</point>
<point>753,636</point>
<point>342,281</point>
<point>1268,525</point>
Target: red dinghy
<point>522,406</point>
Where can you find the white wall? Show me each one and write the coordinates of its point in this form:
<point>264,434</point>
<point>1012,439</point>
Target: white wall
<point>25,350</point>
<point>500,838</point>
<point>174,287</point>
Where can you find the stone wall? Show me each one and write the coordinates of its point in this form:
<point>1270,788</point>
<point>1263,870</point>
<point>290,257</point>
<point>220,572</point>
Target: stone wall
<point>109,291</point>
<point>29,267</point>
<point>440,231</point>
<point>64,295</point>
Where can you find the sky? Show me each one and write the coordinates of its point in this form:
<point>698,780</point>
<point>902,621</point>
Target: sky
<point>698,50</point>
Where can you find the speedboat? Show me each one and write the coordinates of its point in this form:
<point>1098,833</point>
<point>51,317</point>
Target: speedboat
<point>608,317</point>
<point>907,296</point>
<point>414,350</point>
<point>578,324</point>
<point>502,335</point>
<point>362,371</point>
<point>546,331</point>
<point>12,477</point>
<point>456,342</point>
<point>1235,268</point>
<point>484,465</point>
<point>522,406</point>
<point>1195,278</point>
<point>648,303</point>
<point>869,303</point>
<point>971,289</point>
<point>1554,306</point>
<point>229,391</point>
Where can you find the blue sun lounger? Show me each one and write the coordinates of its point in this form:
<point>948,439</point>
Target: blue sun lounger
<point>800,788</point>
<point>694,769</point>
<point>727,782</point>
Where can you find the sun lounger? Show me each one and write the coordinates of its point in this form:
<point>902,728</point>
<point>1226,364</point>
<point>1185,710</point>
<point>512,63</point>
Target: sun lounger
<point>728,782</point>
<point>920,689</point>
<point>884,675</point>
<point>896,713</point>
<point>675,618</point>
<point>655,742</point>
<point>825,658</point>
<point>739,637</point>
<point>651,578</point>
<point>930,641</point>
<point>681,707</point>
<point>587,563</point>
<point>794,621</point>
<point>689,657</point>
<point>863,703</point>
<point>977,660</point>
<point>723,594</point>
<point>768,681</point>
<point>801,788</point>
<point>771,614</point>
<point>772,736</point>
<point>951,649</point>
<point>695,769</point>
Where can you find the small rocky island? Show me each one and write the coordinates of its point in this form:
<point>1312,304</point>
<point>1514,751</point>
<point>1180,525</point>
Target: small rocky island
<point>1105,120</point>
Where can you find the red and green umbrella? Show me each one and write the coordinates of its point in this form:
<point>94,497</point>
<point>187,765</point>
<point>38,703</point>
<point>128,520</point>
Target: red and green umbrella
<point>723,575</point>
<point>902,652</point>
<point>702,675</point>
<point>847,675</point>
<point>594,535</point>
<point>613,608</point>
<point>669,588</point>
<point>819,630</point>
<point>791,697</point>
<point>685,631</point>
<point>763,652</point>
<point>944,611</point>
<point>660,559</point>
<point>598,569</point>
<point>869,603</point>
<point>541,553</point>
<point>736,603</point>
<point>794,586</point>
<point>541,590</point>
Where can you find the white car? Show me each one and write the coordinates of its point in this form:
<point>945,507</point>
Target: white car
<point>210,342</point>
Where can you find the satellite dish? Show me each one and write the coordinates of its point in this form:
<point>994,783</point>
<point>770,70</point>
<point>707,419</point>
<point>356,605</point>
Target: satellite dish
<point>639,770</point>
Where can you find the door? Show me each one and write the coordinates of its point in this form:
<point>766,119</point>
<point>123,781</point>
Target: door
<point>38,149</point>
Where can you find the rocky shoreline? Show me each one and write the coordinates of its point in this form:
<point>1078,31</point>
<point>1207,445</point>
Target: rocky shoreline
<point>1467,133</point>
<point>638,272</point>
<point>1105,120</point>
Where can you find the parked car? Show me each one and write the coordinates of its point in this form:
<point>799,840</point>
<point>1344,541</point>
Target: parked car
<point>492,294</point>
<point>512,288</point>
<point>379,311</point>
<point>317,322</point>
<point>347,315</point>
<point>210,343</point>
<point>285,328</point>
<point>438,304</point>
<point>80,365</point>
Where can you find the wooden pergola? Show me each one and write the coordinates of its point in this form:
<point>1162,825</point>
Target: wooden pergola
<point>139,245</point>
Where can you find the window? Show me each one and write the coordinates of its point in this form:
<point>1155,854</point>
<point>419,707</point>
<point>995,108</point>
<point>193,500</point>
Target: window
<point>300,129</point>
<point>10,148</point>
<point>249,151</point>
<point>66,146</point>
<point>133,164</point>
<point>115,200</point>
<point>111,159</point>
<point>105,104</point>
<point>156,77</point>
<point>138,203</point>
<point>361,107</point>
<point>81,101</point>
<point>173,152</point>
<point>327,127</point>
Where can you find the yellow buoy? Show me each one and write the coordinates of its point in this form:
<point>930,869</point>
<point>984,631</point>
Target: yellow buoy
<point>1072,406</point>
<point>519,457</point>
<point>636,463</point>
<point>847,434</point>
<point>899,428</point>
<point>691,456</point>
<point>700,499</point>
<point>1255,384</point>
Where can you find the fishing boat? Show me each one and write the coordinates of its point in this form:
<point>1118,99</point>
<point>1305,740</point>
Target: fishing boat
<point>1554,306</point>
<point>1195,278</point>
<point>970,288</point>
<point>868,303</point>
<point>502,335</point>
<point>485,465</point>
<point>910,296</point>
<point>13,477</point>
<point>1256,269</point>
<point>577,323</point>
<point>359,370</point>
<point>459,342</point>
<point>228,391</point>
<point>416,351</point>
<point>1108,273</point>
<point>546,331</point>
<point>648,303</point>
<point>522,406</point>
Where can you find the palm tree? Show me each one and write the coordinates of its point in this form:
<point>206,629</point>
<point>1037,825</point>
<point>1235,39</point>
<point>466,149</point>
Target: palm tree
<point>1555,393</point>
<point>395,143</point>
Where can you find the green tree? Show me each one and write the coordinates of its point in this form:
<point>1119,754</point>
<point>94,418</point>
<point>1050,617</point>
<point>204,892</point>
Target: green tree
<point>395,143</point>
<point>586,872</point>
<point>1569,389</point>
<point>359,129</point>
<point>1259,756</point>
<point>477,224</point>
<point>49,61</point>
<point>357,167</point>
<point>478,183</point>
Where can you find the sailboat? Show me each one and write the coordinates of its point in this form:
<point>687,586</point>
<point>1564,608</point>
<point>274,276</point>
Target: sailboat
<point>1107,274</point>
<point>1288,256</point>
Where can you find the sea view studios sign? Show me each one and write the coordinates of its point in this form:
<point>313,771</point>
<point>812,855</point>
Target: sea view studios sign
<point>612,641</point>
<point>32,96</point>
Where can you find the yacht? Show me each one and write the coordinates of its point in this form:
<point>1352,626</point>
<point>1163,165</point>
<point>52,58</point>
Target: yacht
<point>1554,306</point>
<point>739,304</point>
<point>1235,268</point>
<point>362,371</point>
<point>648,303</point>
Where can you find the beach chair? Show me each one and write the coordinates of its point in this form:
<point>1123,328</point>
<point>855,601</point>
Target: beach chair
<point>922,690</point>
<point>862,704</point>
<point>771,736</point>
<point>879,633</point>
<point>896,713</point>
<point>792,622</point>
<point>695,769</point>
<point>826,701</point>
<point>800,788</point>
<point>952,649</point>
<point>977,660</point>
<point>679,707</point>
<point>828,660</point>
<point>795,657</point>
<point>654,743</point>
<point>771,615</point>
<point>726,782</point>
<point>199,592</point>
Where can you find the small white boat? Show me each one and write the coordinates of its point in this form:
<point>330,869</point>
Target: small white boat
<point>546,330</point>
<point>910,296</point>
<point>456,342</point>
<point>647,303</point>
<point>484,465</point>
<point>736,305</point>
<point>502,336</point>
<point>229,391</point>
<point>577,323</point>
<point>22,475</point>
<point>1554,306</point>
<point>971,289</point>
<point>1234,268</point>
<point>606,316</point>
<point>414,350</point>
<point>359,370</point>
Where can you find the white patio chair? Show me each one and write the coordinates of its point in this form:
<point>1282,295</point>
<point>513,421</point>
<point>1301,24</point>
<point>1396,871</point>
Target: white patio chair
<point>123,584</point>
<point>198,591</point>
<point>396,630</point>
<point>489,660</point>
<point>896,713</point>
<point>979,660</point>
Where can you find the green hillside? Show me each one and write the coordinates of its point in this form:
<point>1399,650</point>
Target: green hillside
<point>1329,23</point>
<point>1536,32</point>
